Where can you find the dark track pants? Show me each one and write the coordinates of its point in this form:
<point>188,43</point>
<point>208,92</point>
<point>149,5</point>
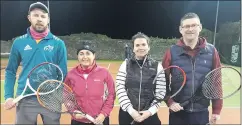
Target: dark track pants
<point>74,122</point>
<point>126,119</point>
<point>186,118</point>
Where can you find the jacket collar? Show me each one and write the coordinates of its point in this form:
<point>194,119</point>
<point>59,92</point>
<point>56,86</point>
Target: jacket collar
<point>201,46</point>
<point>49,36</point>
<point>146,62</point>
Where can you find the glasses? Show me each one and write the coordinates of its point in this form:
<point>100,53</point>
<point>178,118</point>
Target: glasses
<point>190,26</point>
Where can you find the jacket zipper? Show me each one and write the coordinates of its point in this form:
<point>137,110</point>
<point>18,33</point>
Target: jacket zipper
<point>86,91</point>
<point>193,71</point>
<point>140,87</point>
<point>140,80</point>
<point>86,87</point>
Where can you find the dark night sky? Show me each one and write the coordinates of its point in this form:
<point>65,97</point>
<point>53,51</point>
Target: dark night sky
<point>117,18</point>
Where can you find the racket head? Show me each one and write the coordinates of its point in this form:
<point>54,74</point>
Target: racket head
<point>174,74</point>
<point>56,96</point>
<point>41,73</point>
<point>221,83</point>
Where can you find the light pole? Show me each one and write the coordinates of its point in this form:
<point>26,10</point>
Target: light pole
<point>216,20</point>
<point>48,5</point>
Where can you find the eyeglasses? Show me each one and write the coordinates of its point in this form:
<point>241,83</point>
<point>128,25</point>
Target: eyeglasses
<point>190,26</point>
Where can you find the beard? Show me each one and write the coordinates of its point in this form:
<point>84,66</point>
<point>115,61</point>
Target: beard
<point>39,28</point>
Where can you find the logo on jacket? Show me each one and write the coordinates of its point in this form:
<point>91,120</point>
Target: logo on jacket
<point>97,80</point>
<point>27,47</point>
<point>48,48</point>
<point>205,61</point>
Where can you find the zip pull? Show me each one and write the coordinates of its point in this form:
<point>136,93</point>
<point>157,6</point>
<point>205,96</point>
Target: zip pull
<point>86,87</point>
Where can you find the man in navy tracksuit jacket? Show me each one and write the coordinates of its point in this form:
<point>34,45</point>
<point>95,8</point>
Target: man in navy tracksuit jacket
<point>36,46</point>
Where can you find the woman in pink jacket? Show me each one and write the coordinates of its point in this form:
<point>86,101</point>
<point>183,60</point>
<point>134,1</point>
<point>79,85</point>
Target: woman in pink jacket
<point>89,83</point>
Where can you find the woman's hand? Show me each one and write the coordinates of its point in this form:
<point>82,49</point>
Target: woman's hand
<point>78,114</point>
<point>99,120</point>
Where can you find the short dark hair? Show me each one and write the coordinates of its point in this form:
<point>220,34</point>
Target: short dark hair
<point>189,16</point>
<point>140,35</point>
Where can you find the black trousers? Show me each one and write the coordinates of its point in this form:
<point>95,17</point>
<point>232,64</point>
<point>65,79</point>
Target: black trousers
<point>74,122</point>
<point>189,118</point>
<point>126,119</point>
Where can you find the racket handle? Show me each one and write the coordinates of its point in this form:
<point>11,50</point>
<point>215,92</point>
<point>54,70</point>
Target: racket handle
<point>184,103</point>
<point>16,100</point>
<point>89,118</point>
<point>181,104</point>
<point>133,122</point>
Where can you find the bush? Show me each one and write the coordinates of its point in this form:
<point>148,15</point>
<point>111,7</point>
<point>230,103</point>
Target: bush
<point>229,32</point>
<point>114,49</point>
<point>208,35</point>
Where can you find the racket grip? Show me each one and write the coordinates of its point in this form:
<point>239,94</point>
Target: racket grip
<point>184,103</point>
<point>16,100</point>
<point>89,118</point>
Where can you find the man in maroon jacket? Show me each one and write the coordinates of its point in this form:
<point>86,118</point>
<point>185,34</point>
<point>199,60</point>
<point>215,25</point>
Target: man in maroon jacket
<point>196,57</point>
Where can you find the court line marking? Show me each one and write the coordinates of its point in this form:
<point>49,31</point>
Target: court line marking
<point>108,66</point>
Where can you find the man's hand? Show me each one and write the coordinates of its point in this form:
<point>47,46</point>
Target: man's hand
<point>78,114</point>
<point>175,107</point>
<point>99,120</point>
<point>9,104</point>
<point>214,118</point>
<point>144,115</point>
<point>135,115</point>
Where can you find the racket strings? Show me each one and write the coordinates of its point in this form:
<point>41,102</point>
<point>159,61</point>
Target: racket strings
<point>69,101</point>
<point>42,73</point>
<point>57,97</point>
<point>177,77</point>
<point>221,83</point>
<point>231,81</point>
<point>212,86</point>
<point>51,98</point>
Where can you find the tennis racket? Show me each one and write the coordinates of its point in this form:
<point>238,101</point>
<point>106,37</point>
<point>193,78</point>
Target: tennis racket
<point>179,77</point>
<point>220,83</point>
<point>38,75</point>
<point>61,99</point>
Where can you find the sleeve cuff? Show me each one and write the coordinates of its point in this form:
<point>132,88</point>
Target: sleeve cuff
<point>104,114</point>
<point>216,111</point>
<point>153,110</point>
<point>169,102</point>
<point>130,110</point>
<point>9,96</point>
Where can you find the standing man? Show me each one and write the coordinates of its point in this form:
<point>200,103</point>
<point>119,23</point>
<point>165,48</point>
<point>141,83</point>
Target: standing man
<point>36,46</point>
<point>196,57</point>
